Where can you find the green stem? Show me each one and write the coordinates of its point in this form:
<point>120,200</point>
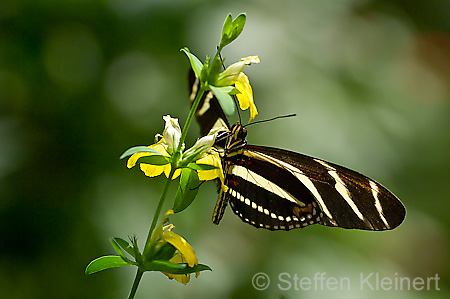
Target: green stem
<point>219,49</point>
<point>158,211</point>
<point>187,124</point>
<point>176,156</point>
<point>137,279</point>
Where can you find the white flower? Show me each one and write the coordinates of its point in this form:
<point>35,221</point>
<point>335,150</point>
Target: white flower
<point>202,146</point>
<point>172,133</point>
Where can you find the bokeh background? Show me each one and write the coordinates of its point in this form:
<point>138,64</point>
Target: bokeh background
<point>81,81</point>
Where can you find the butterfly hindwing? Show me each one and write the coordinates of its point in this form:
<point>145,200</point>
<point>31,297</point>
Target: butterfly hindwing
<point>266,196</point>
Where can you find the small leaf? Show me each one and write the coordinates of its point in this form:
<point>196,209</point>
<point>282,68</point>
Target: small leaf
<point>225,100</point>
<point>139,149</point>
<point>125,246</point>
<point>196,64</point>
<point>227,25</point>
<point>172,268</point>
<point>238,25</point>
<point>119,250</point>
<point>234,91</point>
<point>105,262</point>
<point>232,29</point>
<point>187,190</point>
<point>201,166</point>
<point>154,160</point>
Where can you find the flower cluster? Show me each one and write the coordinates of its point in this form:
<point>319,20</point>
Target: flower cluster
<point>164,250</point>
<point>163,156</point>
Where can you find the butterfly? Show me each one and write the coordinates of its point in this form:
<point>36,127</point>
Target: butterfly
<point>277,189</point>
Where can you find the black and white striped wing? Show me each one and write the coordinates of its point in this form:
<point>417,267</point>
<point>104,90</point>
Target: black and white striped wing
<point>281,190</point>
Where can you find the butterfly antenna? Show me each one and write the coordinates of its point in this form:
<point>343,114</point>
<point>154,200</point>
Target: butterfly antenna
<point>270,119</point>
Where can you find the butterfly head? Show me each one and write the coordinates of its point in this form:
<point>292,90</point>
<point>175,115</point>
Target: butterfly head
<point>236,139</point>
<point>239,133</point>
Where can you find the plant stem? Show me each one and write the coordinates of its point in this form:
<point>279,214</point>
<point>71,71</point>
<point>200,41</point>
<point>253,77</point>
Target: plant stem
<point>137,279</point>
<point>158,211</point>
<point>187,124</point>
<point>176,156</point>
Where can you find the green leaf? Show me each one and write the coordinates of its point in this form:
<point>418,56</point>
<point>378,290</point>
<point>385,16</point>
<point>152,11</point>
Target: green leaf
<point>201,166</point>
<point>215,69</point>
<point>172,268</point>
<point>105,262</point>
<point>225,100</point>
<point>154,160</point>
<point>119,250</point>
<point>139,149</point>
<point>196,64</point>
<point>124,245</point>
<point>227,26</point>
<point>187,190</point>
<point>232,29</point>
<point>234,91</point>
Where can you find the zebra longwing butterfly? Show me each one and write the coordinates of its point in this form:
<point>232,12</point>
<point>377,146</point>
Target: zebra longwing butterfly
<point>277,189</point>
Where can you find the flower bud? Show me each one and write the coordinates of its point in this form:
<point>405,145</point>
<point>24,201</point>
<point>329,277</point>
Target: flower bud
<point>172,133</point>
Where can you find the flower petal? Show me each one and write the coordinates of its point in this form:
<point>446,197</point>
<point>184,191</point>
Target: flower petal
<point>148,169</point>
<point>230,75</point>
<point>250,59</point>
<point>167,169</point>
<point>183,278</point>
<point>213,159</point>
<point>152,170</point>
<point>181,245</point>
<point>245,98</point>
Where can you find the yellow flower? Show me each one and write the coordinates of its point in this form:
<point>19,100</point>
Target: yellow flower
<point>234,75</point>
<point>212,158</point>
<point>230,75</point>
<point>184,252</point>
<point>168,142</point>
<point>165,146</point>
<point>151,170</point>
<point>245,98</point>
<point>183,278</point>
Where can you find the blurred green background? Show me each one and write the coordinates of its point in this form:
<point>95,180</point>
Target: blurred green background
<point>81,81</point>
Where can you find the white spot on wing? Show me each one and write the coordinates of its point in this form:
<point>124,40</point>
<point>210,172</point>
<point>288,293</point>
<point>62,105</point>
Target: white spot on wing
<point>341,188</point>
<point>206,105</point>
<point>375,192</point>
